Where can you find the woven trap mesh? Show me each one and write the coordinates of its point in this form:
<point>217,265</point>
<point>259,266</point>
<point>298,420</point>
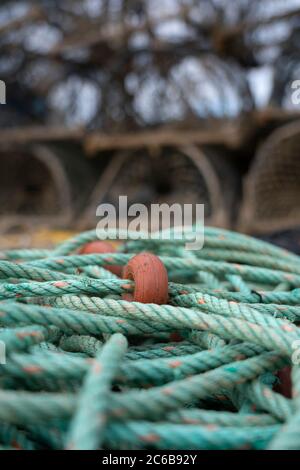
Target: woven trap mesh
<point>272,189</point>
<point>188,175</point>
<point>42,186</point>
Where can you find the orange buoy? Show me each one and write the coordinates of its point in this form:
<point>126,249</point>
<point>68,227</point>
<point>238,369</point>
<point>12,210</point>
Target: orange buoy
<point>99,246</point>
<point>150,277</point>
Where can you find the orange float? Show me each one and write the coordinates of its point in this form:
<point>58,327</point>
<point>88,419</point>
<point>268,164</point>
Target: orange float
<point>100,247</point>
<point>150,277</point>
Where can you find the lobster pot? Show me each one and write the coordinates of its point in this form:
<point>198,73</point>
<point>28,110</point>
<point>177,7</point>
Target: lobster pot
<point>189,175</point>
<point>272,187</point>
<point>41,185</point>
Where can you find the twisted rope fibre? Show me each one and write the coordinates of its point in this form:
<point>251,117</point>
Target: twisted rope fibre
<point>85,369</point>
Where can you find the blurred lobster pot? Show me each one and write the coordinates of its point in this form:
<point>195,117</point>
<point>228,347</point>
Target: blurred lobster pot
<point>169,175</point>
<point>270,207</point>
<point>42,185</point>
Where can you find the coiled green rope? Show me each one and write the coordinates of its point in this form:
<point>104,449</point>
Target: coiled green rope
<point>85,369</point>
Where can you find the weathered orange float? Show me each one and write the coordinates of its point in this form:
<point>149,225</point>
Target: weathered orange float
<point>150,277</point>
<point>100,247</point>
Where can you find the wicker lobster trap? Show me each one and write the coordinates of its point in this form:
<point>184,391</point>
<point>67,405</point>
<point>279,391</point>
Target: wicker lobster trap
<point>272,186</point>
<point>169,175</point>
<point>41,185</point>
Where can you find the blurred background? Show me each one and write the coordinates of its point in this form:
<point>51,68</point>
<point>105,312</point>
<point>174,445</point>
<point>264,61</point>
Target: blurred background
<point>186,101</point>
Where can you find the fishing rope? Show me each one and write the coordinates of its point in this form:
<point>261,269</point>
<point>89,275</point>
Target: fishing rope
<point>87,362</point>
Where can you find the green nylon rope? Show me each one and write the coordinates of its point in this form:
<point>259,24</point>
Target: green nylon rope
<point>80,368</point>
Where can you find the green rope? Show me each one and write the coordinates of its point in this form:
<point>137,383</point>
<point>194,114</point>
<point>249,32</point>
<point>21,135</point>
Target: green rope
<point>67,379</point>
<point>86,429</point>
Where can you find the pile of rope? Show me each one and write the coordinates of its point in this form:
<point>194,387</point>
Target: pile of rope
<point>85,369</point>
